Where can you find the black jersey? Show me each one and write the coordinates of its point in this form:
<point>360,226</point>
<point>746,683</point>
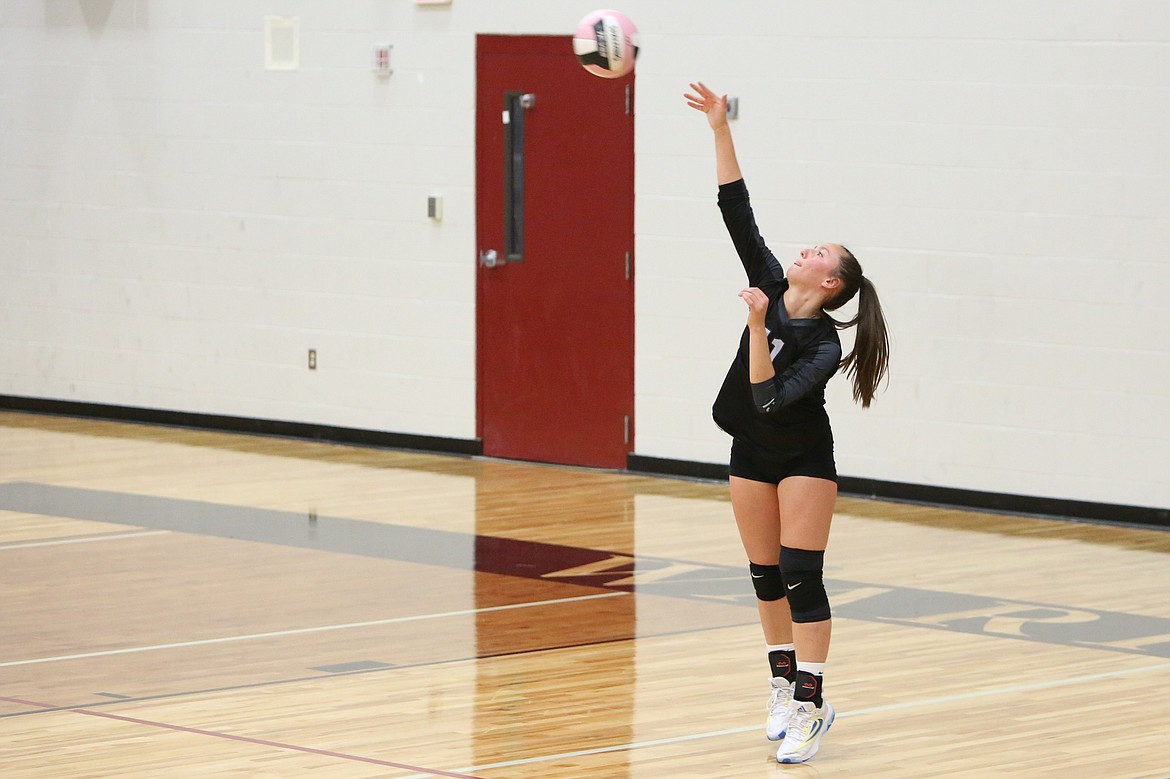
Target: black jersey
<point>805,352</point>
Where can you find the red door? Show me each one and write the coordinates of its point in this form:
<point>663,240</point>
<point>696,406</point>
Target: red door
<point>555,226</point>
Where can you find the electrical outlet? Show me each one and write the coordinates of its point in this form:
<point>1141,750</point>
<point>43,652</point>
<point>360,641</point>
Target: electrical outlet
<point>312,359</point>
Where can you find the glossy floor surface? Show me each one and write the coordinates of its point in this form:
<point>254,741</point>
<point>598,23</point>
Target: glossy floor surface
<point>176,603</point>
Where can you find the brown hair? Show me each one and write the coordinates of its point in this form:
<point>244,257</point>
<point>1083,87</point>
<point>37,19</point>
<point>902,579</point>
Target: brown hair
<point>866,364</point>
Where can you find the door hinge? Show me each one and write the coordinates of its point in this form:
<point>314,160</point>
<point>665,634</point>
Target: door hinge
<point>627,429</point>
<point>629,101</point>
<point>628,268</point>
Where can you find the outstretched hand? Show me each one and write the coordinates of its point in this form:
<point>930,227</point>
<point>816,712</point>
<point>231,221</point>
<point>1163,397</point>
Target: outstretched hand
<point>713,105</point>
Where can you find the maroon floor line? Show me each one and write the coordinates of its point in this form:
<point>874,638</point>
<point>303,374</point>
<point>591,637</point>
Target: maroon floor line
<point>248,740</point>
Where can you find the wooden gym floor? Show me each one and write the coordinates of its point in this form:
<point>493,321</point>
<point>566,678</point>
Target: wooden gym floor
<point>176,603</point>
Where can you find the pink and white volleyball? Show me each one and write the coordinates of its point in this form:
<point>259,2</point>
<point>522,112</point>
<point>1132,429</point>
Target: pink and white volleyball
<point>606,43</point>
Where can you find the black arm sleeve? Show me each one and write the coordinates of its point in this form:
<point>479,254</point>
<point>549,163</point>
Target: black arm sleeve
<point>810,371</point>
<point>758,260</point>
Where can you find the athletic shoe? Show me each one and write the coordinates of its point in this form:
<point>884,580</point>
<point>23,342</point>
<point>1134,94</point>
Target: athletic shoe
<point>805,729</point>
<point>779,708</point>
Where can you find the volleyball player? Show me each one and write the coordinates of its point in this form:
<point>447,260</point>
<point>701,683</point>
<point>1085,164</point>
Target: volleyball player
<point>783,477</point>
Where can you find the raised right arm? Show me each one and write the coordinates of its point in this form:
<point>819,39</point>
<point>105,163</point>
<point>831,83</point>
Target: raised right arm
<point>758,260</point>
<point>715,107</point>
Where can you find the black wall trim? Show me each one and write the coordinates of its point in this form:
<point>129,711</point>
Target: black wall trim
<point>639,463</point>
<point>657,466</point>
<point>944,496</point>
<point>1008,503</point>
<point>341,435</point>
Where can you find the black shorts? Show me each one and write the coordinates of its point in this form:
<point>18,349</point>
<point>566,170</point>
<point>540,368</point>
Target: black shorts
<point>752,462</point>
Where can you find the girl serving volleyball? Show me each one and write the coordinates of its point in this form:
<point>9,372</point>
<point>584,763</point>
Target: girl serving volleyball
<point>783,477</point>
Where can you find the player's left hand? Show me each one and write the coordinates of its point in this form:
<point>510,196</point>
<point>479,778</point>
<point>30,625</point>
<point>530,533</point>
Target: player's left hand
<point>757,303</point>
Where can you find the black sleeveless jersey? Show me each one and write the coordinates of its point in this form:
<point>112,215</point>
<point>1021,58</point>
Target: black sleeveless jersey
<point>805,352</point>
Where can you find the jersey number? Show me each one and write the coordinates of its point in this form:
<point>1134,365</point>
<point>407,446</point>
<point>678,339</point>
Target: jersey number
<point>777,345</point>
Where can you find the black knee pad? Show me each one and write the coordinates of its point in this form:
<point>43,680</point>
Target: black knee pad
<point>768,581</point>
<point>804,583</point>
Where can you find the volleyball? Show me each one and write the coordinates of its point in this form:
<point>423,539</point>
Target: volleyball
<point>606,43</point>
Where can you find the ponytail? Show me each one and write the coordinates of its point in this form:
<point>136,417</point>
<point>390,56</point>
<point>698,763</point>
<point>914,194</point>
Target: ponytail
<point>866,365</point>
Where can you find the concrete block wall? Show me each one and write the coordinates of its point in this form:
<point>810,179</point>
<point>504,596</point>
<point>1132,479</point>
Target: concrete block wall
<point>999,170</point>
<point>179,225</point>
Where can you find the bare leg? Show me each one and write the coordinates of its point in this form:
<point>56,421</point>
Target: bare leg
<point>806,506</point>
<point>757,515</point>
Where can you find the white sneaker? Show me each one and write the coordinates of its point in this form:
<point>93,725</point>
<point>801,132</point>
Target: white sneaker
<point>779,708</point>
<point>805,728</point>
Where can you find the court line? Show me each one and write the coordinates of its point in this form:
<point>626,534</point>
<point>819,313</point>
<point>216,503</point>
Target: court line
<point>856,713</point>
<point>85,540</point>
<point>318,629</point>
<point>420,771</point>
<point>319,677</point>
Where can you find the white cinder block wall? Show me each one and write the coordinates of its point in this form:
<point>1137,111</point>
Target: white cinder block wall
<point>179,225</point>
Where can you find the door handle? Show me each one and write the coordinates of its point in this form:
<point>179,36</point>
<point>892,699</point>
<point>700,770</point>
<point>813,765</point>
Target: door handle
<point>489,258</point>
